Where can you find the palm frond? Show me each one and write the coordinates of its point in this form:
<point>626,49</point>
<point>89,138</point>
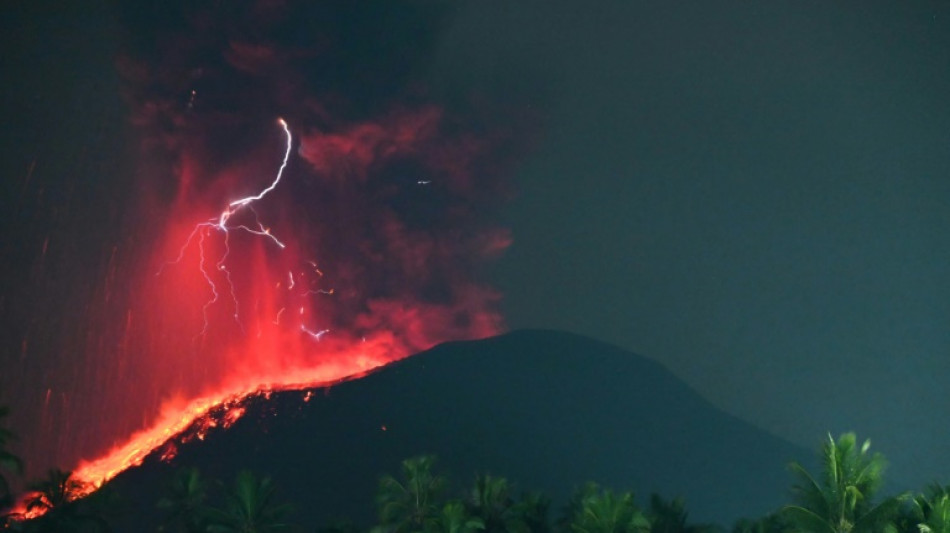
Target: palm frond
<point>806,521</point>
<point>879,517</point>
<point>808,493</point>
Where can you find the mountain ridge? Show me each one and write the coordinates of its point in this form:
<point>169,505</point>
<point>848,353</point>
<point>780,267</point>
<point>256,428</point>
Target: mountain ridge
<point>550,410</point>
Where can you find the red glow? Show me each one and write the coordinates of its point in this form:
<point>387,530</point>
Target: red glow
<point>239,313</point>
<point>21,510</point>
<point>177,417</point>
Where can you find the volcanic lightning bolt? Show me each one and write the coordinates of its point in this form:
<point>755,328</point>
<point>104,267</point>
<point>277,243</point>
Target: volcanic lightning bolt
<point>237,204</point>
<point>223,406</point>
<point>361,251</point>
<point>286,342</point>
<point>220,224</point>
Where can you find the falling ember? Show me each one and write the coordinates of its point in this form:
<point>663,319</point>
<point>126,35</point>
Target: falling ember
<point>197,415</point>
<point>281,355</point>
<point>220,224</point>
<point>257,257</point>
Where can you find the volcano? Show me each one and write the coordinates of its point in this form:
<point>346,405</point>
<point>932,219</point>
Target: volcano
<point>548,410</point>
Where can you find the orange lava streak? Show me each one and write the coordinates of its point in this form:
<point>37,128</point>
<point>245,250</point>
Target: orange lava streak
<point>386,287</point>
<point>176,418</point>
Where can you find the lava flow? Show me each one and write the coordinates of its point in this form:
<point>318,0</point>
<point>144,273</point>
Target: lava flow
<point>242,309</point>
<point>237,256</point>
<point>178,416</point>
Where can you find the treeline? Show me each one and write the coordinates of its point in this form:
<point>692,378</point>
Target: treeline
<point>841,498</point>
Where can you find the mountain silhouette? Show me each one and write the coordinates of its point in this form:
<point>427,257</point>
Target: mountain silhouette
<point>548,410</point>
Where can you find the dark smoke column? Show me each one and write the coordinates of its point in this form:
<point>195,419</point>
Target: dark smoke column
<point>382,212</point>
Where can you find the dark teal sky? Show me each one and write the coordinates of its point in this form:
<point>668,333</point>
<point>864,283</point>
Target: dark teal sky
<point>754,193</point>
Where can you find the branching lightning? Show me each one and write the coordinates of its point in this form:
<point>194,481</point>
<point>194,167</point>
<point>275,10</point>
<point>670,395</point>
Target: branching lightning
<point>316,335</point>
<point>280,172</point>
<point>221,223</point>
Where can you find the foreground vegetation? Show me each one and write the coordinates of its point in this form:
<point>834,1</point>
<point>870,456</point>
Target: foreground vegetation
<point>842,498</point>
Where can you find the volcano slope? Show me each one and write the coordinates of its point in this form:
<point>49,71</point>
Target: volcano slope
<point>548,410</point>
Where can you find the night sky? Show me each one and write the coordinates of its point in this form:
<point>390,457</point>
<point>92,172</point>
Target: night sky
<point>752,193</point>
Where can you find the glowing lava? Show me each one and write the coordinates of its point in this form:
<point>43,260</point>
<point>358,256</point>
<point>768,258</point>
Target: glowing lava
<point>220,223</point>
<point>290,255</point>
<point>282,327</point>
<point>178,417</point>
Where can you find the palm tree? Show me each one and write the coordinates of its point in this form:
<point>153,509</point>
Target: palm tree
<point>184,503</point>
<point>773,523</point>
<point>492,503</point>
<point>596,510</point>
<point>533,508</point>
<point>454,518</point>
<point>843,501</point>
<point>250,507</point>
<point>670,517</point>
<point>412,504</point>
<point>54,492</point>
<point>8,461</point>
<point>931,511</point>
<point>55,498</point>
<point>343,526</point>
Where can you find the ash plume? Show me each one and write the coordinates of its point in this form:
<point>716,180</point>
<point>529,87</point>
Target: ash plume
<point>383,213</point>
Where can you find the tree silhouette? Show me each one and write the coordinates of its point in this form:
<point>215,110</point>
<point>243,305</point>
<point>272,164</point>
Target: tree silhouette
<point>8,461</point>
<point>184,503</point>
<point>55,497</point>
<point>411,504</point>
<point>670,517</point>
<point>937,515</point>
<point>454,518</point>
<point>53,492</point>
<point>491,501</point>
<point>596,510</point>
<point>773,523</point>
<point>533,508</point>
<point>843,501</point>
<point>929,512</point>
<point>339,527</point>
<point>250,507</point>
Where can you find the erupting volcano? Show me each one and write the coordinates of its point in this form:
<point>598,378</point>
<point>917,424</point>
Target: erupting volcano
<point>266,253</point>
<point>285,343</point>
